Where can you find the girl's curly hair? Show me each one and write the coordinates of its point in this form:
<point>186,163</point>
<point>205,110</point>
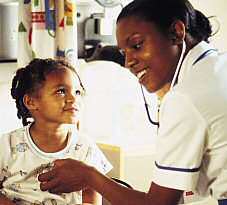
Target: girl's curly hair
<point>28,78</point>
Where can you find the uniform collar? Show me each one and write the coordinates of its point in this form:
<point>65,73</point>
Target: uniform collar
<point>191,57</point>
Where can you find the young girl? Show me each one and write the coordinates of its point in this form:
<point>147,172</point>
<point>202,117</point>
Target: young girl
<point>47,93</point>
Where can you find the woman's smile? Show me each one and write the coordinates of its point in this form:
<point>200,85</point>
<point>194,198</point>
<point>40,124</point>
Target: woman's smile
<point>141,73</point>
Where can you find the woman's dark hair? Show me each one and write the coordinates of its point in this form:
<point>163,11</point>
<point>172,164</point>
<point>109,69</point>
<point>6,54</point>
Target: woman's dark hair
<point>27,80</point>
<point>164,12</point>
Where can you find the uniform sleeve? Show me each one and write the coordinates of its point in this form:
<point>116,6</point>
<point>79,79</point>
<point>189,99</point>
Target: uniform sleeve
<point>180,143</point>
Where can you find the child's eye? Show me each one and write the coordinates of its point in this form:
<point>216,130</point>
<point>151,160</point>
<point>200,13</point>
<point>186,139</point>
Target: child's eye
<point>78,92</point>
<point>61,91</point>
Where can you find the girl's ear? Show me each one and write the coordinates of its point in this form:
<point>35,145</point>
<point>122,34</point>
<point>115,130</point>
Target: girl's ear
<point>29,102</point>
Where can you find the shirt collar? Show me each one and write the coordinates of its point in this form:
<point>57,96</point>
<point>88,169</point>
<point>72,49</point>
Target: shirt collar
<point>73,132</point>
<point>191,57</point>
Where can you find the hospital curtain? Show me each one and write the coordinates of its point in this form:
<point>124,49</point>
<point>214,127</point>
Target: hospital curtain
<point>47,29</point>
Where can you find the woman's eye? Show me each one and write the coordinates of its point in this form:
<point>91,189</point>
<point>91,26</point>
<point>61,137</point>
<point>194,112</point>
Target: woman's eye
<point>137,45</point>
<point>61,91</point>
<point>78,92</point>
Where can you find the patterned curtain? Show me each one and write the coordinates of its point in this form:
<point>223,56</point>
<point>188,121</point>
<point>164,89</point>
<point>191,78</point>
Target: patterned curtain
<point>47,28</point>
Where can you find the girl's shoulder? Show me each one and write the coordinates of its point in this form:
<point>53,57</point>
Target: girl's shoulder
<point>14,133</point>
<point>15,139</point>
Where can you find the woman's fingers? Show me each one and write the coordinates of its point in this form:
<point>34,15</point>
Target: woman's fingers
<point>48,185</point>
<point>44,177</point>
<point>52,173</point>
<point>66,176</point>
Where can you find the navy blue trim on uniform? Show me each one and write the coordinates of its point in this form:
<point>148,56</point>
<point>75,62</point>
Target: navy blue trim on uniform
<point>222,202</point>
<point>177,169</point>
<point>203,55</point>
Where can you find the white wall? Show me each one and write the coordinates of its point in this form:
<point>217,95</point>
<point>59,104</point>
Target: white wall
<point>216,8</point>
<point>113,106</point>
<point>8,112</point>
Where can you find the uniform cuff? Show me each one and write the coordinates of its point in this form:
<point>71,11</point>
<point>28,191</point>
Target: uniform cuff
<point>181,180</point>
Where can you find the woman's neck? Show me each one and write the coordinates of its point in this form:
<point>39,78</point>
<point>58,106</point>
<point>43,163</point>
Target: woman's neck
<point>161,93</point>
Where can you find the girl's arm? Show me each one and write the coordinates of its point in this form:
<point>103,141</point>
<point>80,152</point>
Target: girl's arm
<point>91,197</point>
<point>5,201</point>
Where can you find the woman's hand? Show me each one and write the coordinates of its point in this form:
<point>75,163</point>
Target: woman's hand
<point>67,175</point>
<point>5,201</point>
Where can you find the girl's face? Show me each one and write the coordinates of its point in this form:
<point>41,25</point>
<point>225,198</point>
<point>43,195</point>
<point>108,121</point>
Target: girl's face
<point>59,99</point>
<point>150,55</point>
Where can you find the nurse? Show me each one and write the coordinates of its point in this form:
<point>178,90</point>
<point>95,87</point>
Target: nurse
<point>165,44</point>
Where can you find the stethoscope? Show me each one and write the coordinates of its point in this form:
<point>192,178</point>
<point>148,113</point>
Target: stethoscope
<point>203,55</point>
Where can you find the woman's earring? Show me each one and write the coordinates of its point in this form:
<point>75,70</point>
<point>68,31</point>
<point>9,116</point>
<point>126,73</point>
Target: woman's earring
<point>175,36</point>
<point>176,39</point>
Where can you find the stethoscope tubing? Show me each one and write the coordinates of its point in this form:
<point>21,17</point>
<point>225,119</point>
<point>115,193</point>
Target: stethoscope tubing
<point>147,109</point>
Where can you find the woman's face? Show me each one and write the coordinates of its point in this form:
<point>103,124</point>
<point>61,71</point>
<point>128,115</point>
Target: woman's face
<point>150,55</point>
